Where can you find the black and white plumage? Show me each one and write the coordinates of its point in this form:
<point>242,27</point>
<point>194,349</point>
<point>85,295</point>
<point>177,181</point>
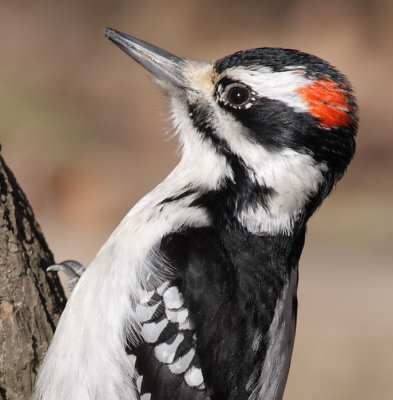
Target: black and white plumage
<point>194,294</point>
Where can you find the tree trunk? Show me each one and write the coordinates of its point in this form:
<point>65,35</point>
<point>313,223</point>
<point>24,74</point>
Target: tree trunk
<point>31,300</point>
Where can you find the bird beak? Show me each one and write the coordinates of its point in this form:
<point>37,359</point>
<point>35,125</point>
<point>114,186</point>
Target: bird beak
<point>166,67</point>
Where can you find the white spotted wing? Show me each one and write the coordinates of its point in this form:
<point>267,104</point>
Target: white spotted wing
<point>166,363</point>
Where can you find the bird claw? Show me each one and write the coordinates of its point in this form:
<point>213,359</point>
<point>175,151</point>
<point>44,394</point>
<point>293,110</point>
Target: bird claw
<point>73,269</point>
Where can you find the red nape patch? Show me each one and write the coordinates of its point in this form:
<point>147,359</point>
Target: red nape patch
<point>328,102</point>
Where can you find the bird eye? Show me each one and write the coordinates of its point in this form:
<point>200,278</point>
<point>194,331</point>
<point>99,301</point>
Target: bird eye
<point>237,95</point>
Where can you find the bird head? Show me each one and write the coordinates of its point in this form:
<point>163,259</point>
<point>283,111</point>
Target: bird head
<point>267,130</point>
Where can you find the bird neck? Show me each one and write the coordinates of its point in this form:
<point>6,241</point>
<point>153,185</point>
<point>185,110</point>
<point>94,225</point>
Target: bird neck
<point>267,196</point>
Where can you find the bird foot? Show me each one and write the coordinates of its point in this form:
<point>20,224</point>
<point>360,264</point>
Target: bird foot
<point>73,270</point>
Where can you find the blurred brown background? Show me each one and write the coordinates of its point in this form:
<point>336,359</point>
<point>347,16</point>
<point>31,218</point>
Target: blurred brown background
<point>83,129</point>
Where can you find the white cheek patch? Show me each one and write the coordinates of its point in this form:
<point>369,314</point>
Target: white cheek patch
<point>281,86</point>
<point>292,175</point>
<point>295,178</point>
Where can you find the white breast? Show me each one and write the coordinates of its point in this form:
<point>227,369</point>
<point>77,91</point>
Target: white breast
<point>87,358</point>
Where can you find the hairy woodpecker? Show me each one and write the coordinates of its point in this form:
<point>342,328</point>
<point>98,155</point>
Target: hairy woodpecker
<point>193,296</point>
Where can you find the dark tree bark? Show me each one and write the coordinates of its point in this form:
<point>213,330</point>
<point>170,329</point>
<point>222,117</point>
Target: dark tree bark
<point>31,300</point>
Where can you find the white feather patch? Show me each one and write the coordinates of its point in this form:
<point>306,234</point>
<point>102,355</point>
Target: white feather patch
<point>165,352</point>
<point>280,86</point>
<point>139,383</point>
<point>193,377</point>
<point>179,316</point>
<point>146,297</point>
<point>161,289</point>
<point>186,325</point>
<point>132,358</point>
<point>151,331</point>
<point>144,313</point>
<point>173,298</point>
<point>181,365</point>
